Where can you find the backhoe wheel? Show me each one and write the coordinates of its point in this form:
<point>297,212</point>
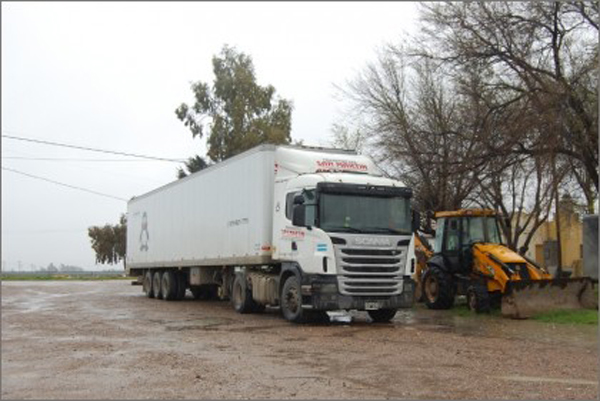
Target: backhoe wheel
<point>241,296</point>
<point>147,284</point>
<point>291,301</point>
<point>156,284</point>
<point>169,285</point>
<point>382,315</point>
<point>478,298</point>
<point>438,288</point>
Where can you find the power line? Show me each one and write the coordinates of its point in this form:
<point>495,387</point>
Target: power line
<point>61,159</point>
<point>64,145</point>
<point>63,184</point>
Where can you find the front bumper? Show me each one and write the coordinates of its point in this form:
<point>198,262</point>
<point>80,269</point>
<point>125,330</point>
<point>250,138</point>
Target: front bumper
<point>320,292</point>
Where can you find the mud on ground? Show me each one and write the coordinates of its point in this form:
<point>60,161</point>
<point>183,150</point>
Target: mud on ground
<point>105,340</point>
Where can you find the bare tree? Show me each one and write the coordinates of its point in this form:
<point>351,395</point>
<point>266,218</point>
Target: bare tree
<point>544,54</point>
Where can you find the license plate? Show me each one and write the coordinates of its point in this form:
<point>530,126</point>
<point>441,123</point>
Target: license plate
<point>372,305</point>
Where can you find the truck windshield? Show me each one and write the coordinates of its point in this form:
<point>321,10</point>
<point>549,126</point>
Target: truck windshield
<point>365,214</point>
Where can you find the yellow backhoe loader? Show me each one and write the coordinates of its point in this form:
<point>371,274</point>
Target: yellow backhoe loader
<point>468,258</point>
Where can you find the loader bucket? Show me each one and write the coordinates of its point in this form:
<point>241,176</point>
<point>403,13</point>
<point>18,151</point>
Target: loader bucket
<point>522,299</point>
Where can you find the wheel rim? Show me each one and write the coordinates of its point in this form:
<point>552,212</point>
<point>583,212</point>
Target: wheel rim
<point>431,289</point>
<point>291,300</point>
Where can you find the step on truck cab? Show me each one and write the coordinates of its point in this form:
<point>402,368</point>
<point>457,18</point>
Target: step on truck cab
<point>305,229</point>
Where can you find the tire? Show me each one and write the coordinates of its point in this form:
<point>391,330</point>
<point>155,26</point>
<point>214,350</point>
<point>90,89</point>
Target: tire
<point>382,315</point>
<point>241,296</point>
<point>291,301</point>
<point>438,288</point>
<point>169,285</point>
<point>147,284</point>
<point>157,284</point>
<point>181,284</point>
<point>478,298</point>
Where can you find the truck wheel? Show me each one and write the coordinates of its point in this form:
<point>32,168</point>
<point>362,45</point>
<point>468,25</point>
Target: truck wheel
<point>382,315</point>
<point>438,289</point>
<point>241,296</point>
<point>169,285</point>
<point>147,286</point>
<point>478,298</point>
<point>156,284</point>
<point>291,301</point>
<point>181,285</point>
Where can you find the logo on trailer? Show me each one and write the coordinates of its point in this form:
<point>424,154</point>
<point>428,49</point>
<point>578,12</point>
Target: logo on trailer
<point>144,235</point>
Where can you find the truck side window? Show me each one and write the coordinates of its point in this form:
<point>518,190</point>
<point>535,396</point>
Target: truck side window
<point>289,204</point>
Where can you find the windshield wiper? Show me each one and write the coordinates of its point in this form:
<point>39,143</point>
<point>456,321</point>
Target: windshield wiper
<point>386,230</point>
<point>344,229</point>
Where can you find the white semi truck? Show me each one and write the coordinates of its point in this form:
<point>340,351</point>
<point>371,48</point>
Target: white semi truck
<point>307,229</point>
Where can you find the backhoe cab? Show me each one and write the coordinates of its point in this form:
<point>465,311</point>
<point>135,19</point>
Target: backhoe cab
<point>469,258</point>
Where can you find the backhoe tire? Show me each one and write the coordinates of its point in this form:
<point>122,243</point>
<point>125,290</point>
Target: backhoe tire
<point>169,285</point>
<point>147,284</point>
<point>241,295</point>
<point>478,298</point>
<point>291,301</point>
<point>382,315</point>
<point>157,284</point>
<point>438,288</point>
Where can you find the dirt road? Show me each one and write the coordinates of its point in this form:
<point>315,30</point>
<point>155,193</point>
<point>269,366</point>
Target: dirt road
<point>105,340</point>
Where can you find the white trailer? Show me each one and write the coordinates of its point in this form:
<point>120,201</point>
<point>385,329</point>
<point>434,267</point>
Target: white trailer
<point>305,229</point>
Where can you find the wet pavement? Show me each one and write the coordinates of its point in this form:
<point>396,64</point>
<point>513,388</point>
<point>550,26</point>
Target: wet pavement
<point>105,340</point>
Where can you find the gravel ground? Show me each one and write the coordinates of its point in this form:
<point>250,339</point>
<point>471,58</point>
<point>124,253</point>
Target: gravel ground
<point>105,340</point>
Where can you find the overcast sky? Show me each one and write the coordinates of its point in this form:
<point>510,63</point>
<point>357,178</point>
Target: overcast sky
<point>110,75</point>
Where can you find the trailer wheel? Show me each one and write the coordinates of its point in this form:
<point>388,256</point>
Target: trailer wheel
<point>291,301</point>
<point>438,289</point>
<point>156,284</point>
<point>382,315</point>
<point>241,296</point>
<point>169,285</point>
<point>147,285</point>
<point>478,298</point>
<point>181,285</point>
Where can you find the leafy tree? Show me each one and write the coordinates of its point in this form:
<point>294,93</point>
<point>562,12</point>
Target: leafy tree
<point>192,165</point>
<point>109,242</point>
<point>235,113</point>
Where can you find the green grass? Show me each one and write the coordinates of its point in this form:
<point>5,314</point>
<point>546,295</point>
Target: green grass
<point>580,316</point>
<point>62,277</point>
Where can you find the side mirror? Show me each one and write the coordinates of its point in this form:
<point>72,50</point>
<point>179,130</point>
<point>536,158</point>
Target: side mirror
<point>298,200</point>
<point>416,220</point>
<point>299,215</point>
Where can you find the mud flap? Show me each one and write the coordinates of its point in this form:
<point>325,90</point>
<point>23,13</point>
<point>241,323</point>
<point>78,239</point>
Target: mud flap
<point>525,298</point>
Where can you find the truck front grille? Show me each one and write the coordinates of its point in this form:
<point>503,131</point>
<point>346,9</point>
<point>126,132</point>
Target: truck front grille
<point>369,272</point>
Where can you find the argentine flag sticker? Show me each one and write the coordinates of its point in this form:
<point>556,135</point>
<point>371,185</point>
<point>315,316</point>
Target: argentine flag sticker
<point>321,247</point>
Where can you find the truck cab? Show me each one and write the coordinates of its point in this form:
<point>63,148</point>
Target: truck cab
<point>342,232</point>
